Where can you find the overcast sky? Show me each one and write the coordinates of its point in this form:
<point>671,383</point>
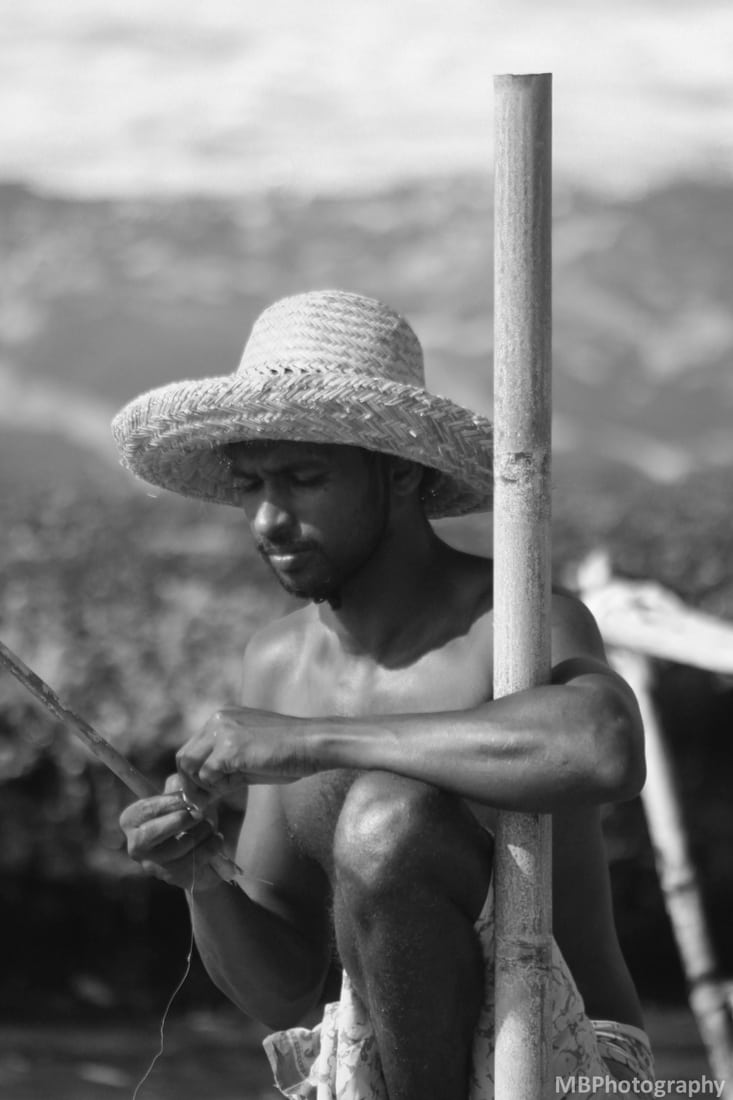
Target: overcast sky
<point>155,96</point>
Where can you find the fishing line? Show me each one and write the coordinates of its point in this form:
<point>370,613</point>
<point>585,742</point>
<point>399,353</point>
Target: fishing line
<point>159,1053</point>
<point>187,970</point>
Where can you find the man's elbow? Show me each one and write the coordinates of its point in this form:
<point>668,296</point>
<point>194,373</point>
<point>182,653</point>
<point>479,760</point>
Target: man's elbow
<point>620,765</point>
<point>282,1015</point>
<point>278,997</point>
<point>275,1009</point>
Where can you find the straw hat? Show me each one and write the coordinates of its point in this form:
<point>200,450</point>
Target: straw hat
<point>322,367</point>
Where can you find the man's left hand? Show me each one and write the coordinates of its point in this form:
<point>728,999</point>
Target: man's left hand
<point>237,747</point>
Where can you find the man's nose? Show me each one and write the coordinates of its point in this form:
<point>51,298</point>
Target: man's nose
<point>271,519</point>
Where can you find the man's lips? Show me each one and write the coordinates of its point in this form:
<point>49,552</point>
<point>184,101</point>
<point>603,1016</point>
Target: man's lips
<point>272,549</point>
<point>285,555</point>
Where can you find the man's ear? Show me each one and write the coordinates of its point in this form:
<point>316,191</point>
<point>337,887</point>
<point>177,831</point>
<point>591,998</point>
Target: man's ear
<point>406,476</point>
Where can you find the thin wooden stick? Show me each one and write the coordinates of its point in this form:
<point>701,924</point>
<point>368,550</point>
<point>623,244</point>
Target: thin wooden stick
<point>133,779</point>
<point>522,413</point>
<point>678,878</point>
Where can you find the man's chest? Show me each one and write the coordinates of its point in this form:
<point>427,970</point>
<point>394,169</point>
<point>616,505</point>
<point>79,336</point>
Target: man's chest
<point>454,677</point>
<point>440,681</point>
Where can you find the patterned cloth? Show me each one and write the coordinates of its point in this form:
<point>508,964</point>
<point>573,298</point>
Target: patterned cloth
<point>339,1059</point>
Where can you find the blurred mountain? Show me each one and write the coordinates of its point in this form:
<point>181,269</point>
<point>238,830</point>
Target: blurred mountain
<point>103,299</point>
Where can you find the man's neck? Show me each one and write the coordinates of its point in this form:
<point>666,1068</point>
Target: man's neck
<point>378,605</point>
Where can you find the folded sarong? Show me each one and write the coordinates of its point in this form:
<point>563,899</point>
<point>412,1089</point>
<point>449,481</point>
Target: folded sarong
<point>339,1059</point>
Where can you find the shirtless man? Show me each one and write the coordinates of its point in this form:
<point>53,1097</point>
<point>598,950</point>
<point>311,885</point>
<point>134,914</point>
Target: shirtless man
<point>367,749</point>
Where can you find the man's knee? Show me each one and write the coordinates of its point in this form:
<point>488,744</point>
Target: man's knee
<point>395,833</point>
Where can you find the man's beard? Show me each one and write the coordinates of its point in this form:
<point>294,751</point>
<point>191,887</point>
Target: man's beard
<point>326,588</point>
<point>318,589</point>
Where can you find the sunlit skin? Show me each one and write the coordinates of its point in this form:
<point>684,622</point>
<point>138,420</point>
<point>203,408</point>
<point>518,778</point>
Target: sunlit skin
<point>372,760</point>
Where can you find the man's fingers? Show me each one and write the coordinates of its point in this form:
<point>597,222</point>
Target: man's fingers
<point>151,834</point>
<point>214,760</point>
<point>147,809</point>
<point>191,869</point>
<point>193,793</point>
<point>192,755</point>
<point>172,840</point>
<point>204,780</point>
<point>188,763</point>
<point>177,847</point>
<point>214,775</point>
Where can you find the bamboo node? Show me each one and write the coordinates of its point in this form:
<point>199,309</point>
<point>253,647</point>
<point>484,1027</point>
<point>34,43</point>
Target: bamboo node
<point>521,466</point>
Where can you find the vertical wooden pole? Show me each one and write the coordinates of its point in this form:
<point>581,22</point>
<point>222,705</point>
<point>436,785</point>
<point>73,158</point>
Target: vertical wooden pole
<point>522,415</point>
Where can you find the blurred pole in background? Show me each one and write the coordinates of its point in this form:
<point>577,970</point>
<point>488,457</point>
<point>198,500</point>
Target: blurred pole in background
<point>522,416</point>
<point>642,622</point>
<point>707,991</point>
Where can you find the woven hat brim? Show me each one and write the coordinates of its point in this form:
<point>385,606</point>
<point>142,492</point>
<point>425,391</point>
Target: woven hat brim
<point>171,437</point>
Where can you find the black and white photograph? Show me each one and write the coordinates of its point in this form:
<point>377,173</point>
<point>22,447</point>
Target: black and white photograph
<point>366,550</point>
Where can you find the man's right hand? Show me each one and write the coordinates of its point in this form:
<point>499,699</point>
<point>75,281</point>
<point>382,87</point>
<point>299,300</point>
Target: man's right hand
<point>171,842</point>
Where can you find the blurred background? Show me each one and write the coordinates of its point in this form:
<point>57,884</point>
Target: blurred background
<point>168,170</point>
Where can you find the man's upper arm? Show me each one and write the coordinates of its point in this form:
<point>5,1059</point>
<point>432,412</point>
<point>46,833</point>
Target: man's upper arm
<point>579,660</point>
<point>574,631</point>
<point>578,653</point>
<point>276,875</point>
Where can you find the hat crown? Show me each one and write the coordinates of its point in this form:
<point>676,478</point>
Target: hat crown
<point>332,332</point>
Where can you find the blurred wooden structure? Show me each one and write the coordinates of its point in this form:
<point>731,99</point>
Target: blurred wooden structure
<point>641,621</point>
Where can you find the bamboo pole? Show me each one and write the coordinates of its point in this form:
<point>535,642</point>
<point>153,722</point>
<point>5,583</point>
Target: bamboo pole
<point>522,413</point>
<point>679,881</point>
<point>133,779</point>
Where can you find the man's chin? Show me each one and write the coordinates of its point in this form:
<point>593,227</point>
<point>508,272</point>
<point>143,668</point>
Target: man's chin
<point>299,579</point>
<point>305,590</point>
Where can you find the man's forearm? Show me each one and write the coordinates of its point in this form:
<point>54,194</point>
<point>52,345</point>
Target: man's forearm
<point>535,751</point>
<point>576,741</point>
<point>268,968</point>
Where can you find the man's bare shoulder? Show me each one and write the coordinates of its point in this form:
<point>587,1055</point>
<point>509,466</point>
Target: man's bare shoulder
<point>270,651</point>
<point>574,629</point>
<point>574,633</point>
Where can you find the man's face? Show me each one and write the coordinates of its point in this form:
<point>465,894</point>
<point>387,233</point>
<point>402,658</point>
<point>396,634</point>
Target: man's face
<point>317,512</point>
